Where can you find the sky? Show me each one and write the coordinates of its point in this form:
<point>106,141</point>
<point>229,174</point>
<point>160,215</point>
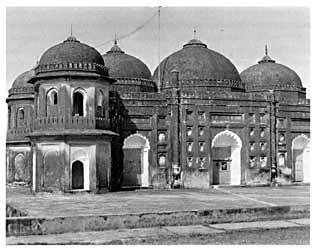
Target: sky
<point>239,33</point>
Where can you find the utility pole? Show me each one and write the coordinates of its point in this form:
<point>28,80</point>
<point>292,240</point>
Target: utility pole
<point>159,49</point>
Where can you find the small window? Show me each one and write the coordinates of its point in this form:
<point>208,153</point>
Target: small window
<point>189,161</point>
<point>161,137</point>
<point>281,160</point>
<point>201,146</point>
<point>21,114</point>
<point>263,161</point>
<point>201,131</point>
<point>201,115</point>
<point>282,137</point>
<point>162,160</point>
<point>252,161</point>
<point>251,117</point>
<point>252,146</point>
<point>262,132</point>
<point>189,131</point>
<point>251,132</point>
<point>223,165</point>
<point>202,162</point>
<point>263,146</point>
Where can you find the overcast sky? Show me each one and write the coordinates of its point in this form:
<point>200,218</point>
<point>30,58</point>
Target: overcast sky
<point>238,33</point>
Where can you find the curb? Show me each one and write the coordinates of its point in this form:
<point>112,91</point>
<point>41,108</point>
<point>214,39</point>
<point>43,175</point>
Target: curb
<point>18,226</point>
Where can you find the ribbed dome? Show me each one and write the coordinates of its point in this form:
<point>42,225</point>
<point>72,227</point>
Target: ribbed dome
<point>268,74</point>
<point>71,51</point>
<point>22,79</point>
<point>122,65</point>
<point>196,61</point>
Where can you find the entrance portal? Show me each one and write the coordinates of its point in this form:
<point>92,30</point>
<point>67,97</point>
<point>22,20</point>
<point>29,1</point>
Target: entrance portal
<point>300,158</point>
<point>226,164</point>
<point>135,166</point>
<point>77,175</point>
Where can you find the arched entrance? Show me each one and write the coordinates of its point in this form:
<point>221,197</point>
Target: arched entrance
<point>226,159</point>
<point>300,158</point>
<point>77,175</point>
<point>135,164</point>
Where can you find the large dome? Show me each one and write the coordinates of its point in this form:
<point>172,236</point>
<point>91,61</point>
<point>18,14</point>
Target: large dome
<point>22,80</point>
<point>269,75</point>
<point>196,61</point>
<point>71,51</point>
<point>122,65</point>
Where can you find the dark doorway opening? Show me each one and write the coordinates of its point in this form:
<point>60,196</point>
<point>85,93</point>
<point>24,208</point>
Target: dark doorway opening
<point>77,104</point>
<point>77,175</point>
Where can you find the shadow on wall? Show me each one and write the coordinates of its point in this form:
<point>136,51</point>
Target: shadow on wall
<point>124,126</point>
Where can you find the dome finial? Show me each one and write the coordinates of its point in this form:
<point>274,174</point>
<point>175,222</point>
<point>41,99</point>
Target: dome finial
<point>194,32</point>
<point>115,39</point>
<point>266,58</point>
<point>71,30</point>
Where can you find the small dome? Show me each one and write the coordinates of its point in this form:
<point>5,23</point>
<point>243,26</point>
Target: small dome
<point>71,51</point>
<point>122,65</point>
<point>196,61</point>
<point>268,74</point>
<point>22,80</point>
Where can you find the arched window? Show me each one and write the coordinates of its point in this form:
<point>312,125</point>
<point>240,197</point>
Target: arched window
<point>20,121</point>
<point>55,98</point>
<point>77,104</point>
<point>52,101</point>
<point>99,108</point>
<point>52,97</point>
<point>21,114</point>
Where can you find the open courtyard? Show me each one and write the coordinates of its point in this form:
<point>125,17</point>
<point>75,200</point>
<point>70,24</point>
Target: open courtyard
<point>145,201</point>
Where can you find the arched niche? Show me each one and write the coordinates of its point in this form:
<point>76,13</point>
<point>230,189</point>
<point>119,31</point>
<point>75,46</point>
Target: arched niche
<point>20,171</point>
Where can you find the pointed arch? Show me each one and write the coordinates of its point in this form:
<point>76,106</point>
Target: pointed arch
<point>79,102</point>
<point>136,165</point>
<point>226,155</point>
<point>300,148</point>
<point>51,102</point>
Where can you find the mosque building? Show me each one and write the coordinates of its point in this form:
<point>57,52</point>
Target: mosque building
<point>82,121</point>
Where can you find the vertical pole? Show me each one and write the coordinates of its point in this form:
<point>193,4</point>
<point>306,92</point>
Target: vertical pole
<point>179,120</point>
<point>159,49</point>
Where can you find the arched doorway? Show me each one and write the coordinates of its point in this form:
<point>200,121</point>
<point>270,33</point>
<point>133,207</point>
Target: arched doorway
<point>135,164</point>
<point>77,175</point>
<point>226,159</point>
<point>300,158</point>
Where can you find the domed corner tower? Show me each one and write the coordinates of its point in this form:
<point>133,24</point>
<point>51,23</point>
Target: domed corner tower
<point>197,68</point>
<point>71,141</point>
<point>20,114</point>
<point>267,75</point>
<point>131,74</point>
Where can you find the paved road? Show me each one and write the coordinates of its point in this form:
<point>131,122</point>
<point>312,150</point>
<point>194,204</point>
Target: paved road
<point>47,205</point>
<point>262,232</point>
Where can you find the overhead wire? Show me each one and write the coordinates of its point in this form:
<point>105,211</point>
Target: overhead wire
<point>130,33</point>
